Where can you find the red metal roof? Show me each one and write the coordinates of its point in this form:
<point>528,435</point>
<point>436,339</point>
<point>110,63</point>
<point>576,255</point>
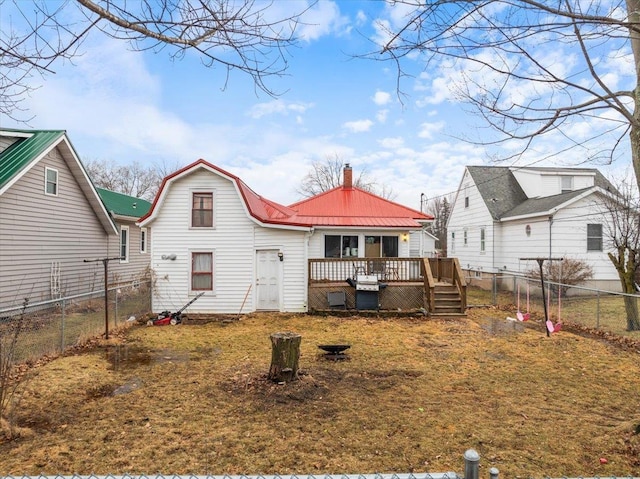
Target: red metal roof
<point>337,207</point>
<point>355,207</point>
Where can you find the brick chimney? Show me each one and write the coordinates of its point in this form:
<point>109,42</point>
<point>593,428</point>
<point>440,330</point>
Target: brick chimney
<point>348,177</point>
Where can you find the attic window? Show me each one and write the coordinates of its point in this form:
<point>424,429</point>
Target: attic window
<point>202,210</point>
<point>466,201</point>
<point>566,184</point>
<point>51,181</point>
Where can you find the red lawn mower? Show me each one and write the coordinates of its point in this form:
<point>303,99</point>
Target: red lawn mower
<point>167,317</point>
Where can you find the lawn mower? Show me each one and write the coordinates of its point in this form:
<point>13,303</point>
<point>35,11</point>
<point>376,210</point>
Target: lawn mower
<point>167,317</point>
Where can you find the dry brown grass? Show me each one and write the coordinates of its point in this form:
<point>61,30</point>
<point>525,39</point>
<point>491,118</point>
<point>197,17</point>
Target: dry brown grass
<point>415,394</point>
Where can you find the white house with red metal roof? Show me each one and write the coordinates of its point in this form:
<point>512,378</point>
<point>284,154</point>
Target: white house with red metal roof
<point>212,233</point>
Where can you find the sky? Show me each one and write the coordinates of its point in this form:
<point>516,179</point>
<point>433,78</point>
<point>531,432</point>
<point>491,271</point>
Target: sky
<point>123,106</point>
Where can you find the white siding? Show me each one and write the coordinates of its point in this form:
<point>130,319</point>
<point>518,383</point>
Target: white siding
<point>233,241</point>
<point>472,219</point>
<point>568,239</point>
<point>138,265</point>
<point>38,229</point>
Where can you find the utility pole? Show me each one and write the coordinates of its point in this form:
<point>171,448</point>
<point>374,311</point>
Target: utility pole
<point>105,262</point>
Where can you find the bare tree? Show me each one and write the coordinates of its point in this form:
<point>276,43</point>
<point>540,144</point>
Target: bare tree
<point>532,69</point>
<point>133,180</point>
<point>244,35</point>
<point>440,208</point>
<point>621,231</point>
<point>328,174</point>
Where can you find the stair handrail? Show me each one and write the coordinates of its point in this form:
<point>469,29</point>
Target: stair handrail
<point>461,283</point>
<point>429,284</point>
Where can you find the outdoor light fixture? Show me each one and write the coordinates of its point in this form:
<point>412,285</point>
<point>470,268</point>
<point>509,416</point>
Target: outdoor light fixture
<point>405,237</point>
<point>281,255</point>
<point>171,256</point>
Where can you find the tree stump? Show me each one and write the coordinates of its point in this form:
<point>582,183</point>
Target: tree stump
<point>285,352</point>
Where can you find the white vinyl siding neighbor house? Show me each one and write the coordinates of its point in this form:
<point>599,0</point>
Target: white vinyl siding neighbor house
<point>512,213</point>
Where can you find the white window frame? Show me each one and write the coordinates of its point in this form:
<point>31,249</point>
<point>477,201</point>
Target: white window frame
<point>465,237</point>
<point>46,181</point>
<point>453,242</point>
<point>213,269</point>
<point>213,208</point>
<point>483,240</point>
<point>599,237</point>
<point>124,258</point>
<point>566,183</point>
<point>144,239</point>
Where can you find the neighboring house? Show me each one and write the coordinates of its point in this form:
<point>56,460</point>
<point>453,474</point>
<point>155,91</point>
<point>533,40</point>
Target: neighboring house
<point>212,233</point>
<point>51,219</point>
<point>503,214</point>
<point>133,243</point>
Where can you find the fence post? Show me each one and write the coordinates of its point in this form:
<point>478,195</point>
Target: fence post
<point>493,473</point>
<point>471,464</point>
<point>598,309</point>
<point>62,327</point>
<point>115,309</point>
<point>494,290</point>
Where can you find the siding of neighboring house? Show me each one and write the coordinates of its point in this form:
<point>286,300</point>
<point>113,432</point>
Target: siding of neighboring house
<point>472,219</point>
<point>6,142</point>
<point>137,265</point>
<point>39,229</point>
<point>233,242</point>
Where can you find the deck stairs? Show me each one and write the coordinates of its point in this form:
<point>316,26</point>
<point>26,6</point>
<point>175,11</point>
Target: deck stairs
<point>448,302</point>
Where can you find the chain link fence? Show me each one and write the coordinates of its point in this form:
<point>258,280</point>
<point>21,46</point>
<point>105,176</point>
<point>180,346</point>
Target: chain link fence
<point>49,327</point>
<point>601,310</point>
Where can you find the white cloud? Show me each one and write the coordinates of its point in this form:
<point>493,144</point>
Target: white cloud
<point>323,18</point>
<point>391,143</point>
<point>382,115</point>
<point>427,130</point>
<point>381,98</point>
<point>358,126</point>
<point>277,107</point>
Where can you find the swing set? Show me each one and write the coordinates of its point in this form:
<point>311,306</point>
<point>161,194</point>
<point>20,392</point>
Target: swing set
<point>550,327</point>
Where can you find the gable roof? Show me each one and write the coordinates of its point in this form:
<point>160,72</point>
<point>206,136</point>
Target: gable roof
<point>353,206</point>
<point>505,198</point>
<point>119,204</point>
<point>30,147</point>
<point>337,207</point>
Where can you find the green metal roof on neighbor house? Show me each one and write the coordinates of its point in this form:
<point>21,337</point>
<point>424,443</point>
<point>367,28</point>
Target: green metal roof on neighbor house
<point>18,156</point>
<point>120,204</point>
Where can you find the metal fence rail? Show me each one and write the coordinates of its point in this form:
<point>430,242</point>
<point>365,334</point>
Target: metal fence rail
<point>49,327</point>
<point>589,307</point>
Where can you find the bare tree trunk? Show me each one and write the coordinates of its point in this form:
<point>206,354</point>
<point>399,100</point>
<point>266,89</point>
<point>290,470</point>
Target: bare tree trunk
<point>631,308</point>
<point>285,353</point>
<point>633,11</point>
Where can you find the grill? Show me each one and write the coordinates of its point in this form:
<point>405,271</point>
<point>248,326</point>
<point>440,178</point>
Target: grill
<point>367,287</point>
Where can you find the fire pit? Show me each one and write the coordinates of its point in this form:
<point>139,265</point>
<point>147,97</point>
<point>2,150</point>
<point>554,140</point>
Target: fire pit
<point>335,352</point>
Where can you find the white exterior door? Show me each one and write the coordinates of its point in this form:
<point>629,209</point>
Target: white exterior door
<point>268,280</point>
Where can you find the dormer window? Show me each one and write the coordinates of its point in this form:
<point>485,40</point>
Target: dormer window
<point>566,184</point>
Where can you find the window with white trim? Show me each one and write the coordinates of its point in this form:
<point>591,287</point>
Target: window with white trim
<point>143,240</point>
<point>124,244</point>
<point>202,210</point>
<point>594,237</point>
<point>453,241</point>
<point>338,246</point>
<point>465,238</point>
<point>482,240</point>
<point>51,181</point>
<point>566,184</point>
<point>202,271</point>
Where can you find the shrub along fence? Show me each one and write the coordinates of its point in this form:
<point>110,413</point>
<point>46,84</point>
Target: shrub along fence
<point>589,307</point>
<point>49,327</point>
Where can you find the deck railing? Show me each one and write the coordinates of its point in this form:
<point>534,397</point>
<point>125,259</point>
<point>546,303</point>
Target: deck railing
<point>332,270</point>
